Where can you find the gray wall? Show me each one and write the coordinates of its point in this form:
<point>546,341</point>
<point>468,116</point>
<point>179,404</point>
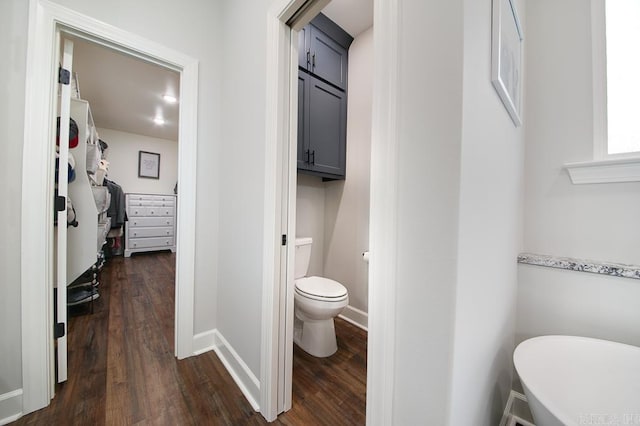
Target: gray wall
<point>593,221</point>
<point>13,45</point>
<point>241,174</point>
<point>347,202</point>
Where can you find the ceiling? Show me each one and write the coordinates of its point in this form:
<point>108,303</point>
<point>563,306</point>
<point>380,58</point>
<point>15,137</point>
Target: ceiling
<point>354,16</point>
<point>125,92</point>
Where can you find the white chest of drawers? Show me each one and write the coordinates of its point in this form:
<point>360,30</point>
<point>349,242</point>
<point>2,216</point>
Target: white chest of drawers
<point>152,223</point>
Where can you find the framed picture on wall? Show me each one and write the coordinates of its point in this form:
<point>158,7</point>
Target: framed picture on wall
<point>148,165</point>
<point>506,57</point>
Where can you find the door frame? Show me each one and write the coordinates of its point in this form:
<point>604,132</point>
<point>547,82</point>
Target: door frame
<point>280,189</point>
<point>46,19</point>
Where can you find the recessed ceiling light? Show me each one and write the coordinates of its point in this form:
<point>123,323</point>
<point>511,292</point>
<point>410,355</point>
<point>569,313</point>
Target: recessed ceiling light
<point>159,120</point>
<point>170,99</point>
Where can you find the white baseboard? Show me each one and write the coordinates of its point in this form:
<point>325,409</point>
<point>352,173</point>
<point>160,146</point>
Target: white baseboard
<point>10,406</point>
<point>509,417</point>
<point>356,317</point>
<point>239,371</point>
<point>204,342</point>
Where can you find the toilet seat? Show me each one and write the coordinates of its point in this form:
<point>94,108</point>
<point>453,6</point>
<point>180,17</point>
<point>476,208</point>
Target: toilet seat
<point>320,288</point>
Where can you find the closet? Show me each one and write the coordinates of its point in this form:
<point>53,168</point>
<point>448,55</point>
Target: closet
<point>89,198</point>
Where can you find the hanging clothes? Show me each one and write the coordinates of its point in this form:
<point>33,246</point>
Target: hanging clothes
<point>117,209</point>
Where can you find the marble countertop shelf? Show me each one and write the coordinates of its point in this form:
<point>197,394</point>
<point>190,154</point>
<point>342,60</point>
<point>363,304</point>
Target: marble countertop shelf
<point>581,265</point>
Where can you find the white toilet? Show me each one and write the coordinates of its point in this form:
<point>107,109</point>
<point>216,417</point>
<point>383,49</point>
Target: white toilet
<point>317,301</point>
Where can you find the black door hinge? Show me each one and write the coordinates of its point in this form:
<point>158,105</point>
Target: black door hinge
<point>58,330</point>
<point>284,239</point>
<point>60,203</point>
<point>64,76</point>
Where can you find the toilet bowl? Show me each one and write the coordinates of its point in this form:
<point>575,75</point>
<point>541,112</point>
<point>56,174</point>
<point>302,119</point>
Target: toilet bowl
<point>317,301</point>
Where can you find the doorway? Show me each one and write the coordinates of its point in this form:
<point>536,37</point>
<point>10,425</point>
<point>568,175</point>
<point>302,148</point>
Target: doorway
<point>48,21</point>
<point>115,101</point>
<point>282,65</point>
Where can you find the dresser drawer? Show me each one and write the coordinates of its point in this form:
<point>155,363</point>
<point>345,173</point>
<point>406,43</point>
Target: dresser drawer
<point>151,203</point>
<point>136,222</point>
<point>166,231</point>
<point>137,243</point>
<point>150,197</point>
<point>151,211</point>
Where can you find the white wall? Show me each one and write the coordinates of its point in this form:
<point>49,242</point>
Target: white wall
<point>459,208</point>
<point>596,221</point>
<point>310,218</point>
<point>347,202</point>
<point>13,42</point>
<point>429,136</point>
<point>552,301</point>
<point>489,233</point>
<point>123,161</point>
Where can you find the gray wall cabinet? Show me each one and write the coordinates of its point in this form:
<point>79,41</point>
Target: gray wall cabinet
<point>322,128</point>
<point>322,98</point>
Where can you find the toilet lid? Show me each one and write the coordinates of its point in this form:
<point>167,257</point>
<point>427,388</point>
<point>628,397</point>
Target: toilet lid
<point>321,287</point>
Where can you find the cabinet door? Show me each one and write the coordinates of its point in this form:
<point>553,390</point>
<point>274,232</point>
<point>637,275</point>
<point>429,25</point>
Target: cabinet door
<point>328,58</point>
<point>303,117</point>
<point>304,55</point>
<point>327,123</point>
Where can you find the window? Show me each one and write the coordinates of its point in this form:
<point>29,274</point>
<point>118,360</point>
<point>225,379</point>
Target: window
<point>622,33</point>
<point>616,95</point>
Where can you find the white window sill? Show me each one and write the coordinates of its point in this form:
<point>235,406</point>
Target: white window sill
<point>605,171</point>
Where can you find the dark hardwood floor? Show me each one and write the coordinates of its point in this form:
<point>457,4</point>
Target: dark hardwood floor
<point>122,370</point>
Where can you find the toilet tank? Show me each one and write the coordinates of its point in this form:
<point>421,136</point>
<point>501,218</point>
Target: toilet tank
<point>303,256</point>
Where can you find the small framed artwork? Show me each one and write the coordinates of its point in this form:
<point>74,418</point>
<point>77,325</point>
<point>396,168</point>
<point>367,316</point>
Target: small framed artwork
<point>506,57</point>
<point>148,165</point>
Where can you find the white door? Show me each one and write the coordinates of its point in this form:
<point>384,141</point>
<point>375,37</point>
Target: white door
<point>61,205</point>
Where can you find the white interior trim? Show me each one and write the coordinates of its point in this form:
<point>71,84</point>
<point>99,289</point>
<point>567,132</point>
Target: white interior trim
<point>239,371</point>
<point>356,317</point>
<point>45,18</point>
<point>605,171</point>
<point>383,215</point>
<point>278,35</point>
<point>204,342</point>
<point>10,406</point>
<point>599,65</point>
